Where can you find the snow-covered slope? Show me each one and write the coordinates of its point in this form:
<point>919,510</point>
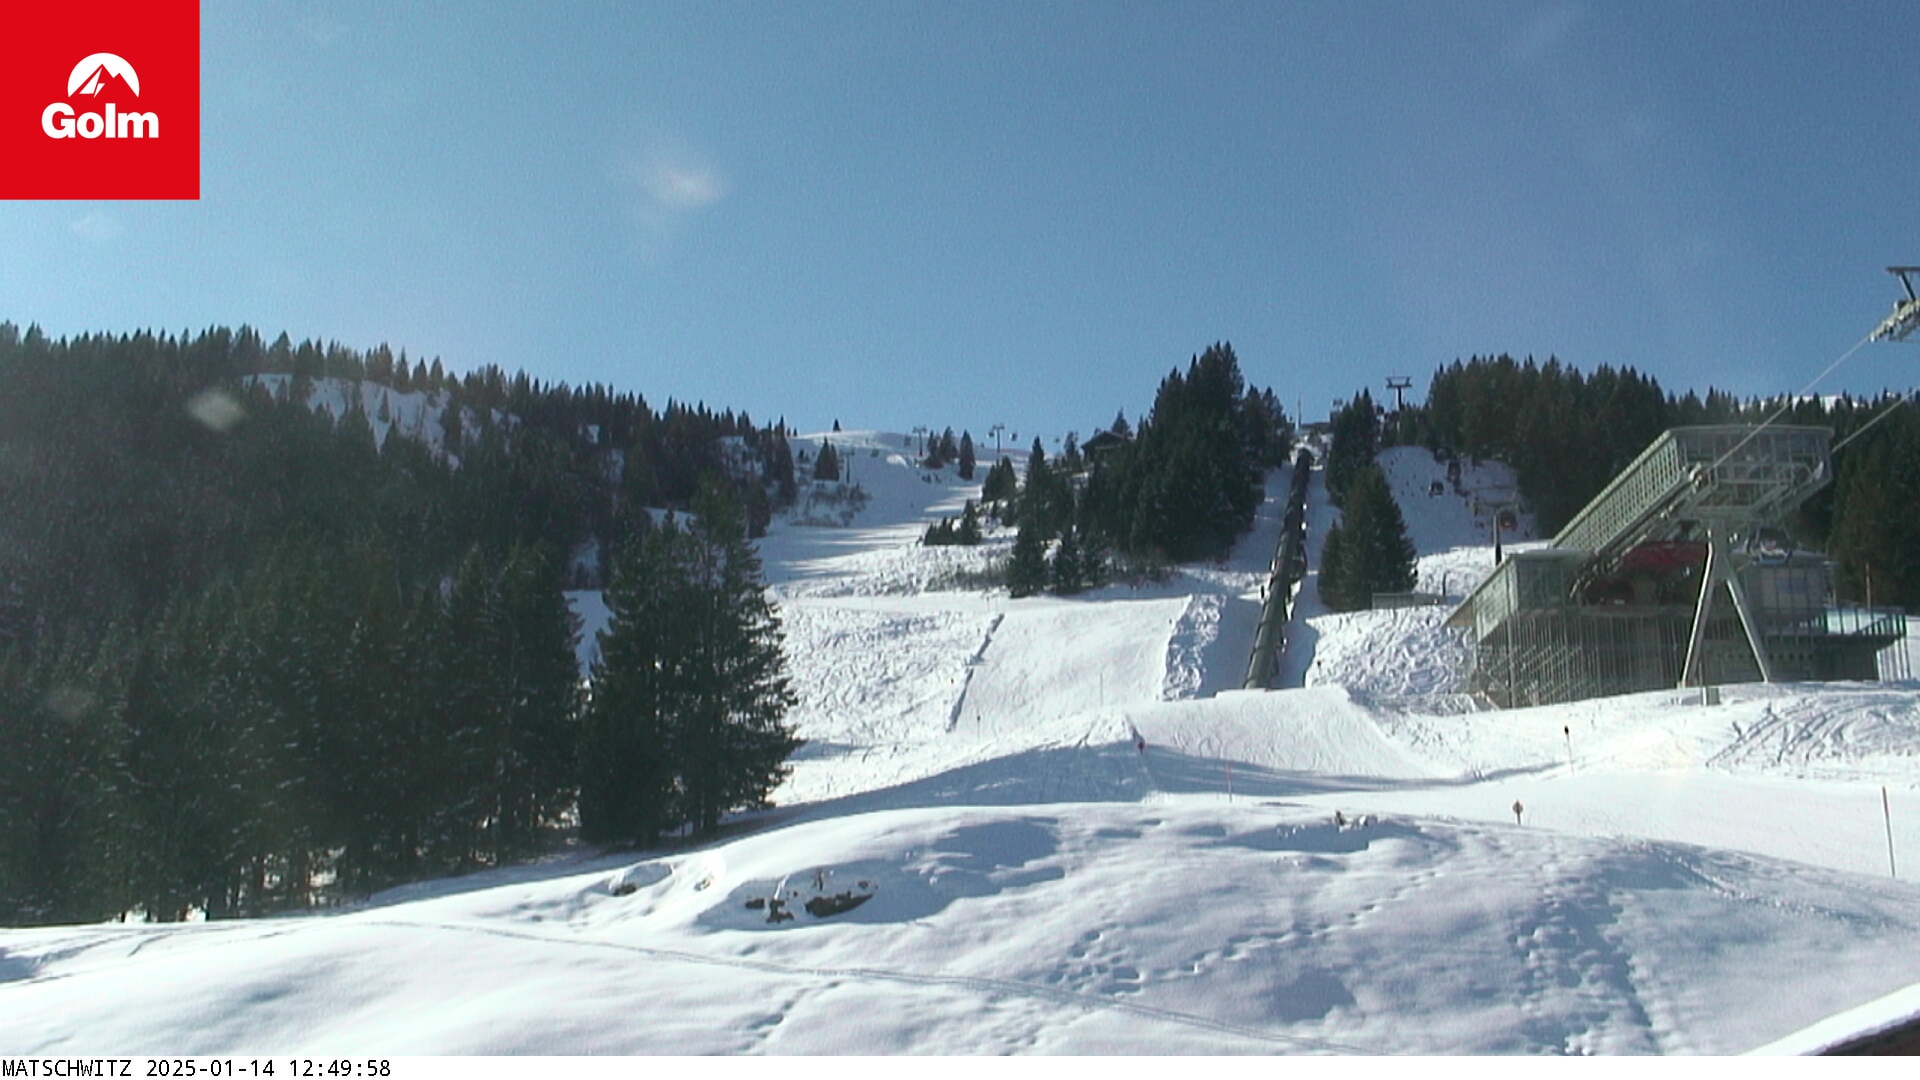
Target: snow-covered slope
<point>1056,827</point>
<point>419,415</point>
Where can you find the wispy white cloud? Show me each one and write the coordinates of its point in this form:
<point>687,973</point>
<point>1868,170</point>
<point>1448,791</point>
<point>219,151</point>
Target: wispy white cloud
<point>683,185</point>
<point>665,188</point>
<point>96,227</point>
<point>1544,32</point>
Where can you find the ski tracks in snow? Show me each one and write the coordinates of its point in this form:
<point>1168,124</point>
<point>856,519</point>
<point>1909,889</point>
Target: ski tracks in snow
<point>1826,737</point>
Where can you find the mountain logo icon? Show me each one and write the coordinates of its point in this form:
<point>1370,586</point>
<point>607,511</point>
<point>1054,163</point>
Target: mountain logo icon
<point>90,75</point>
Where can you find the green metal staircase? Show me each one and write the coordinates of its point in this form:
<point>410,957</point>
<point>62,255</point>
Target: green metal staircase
<point>1724,478</point>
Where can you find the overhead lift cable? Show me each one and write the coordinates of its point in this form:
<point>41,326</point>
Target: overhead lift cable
<point>1904,320</point>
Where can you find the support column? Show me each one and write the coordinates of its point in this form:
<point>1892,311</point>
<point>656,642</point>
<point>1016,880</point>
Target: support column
<point>1709,578</point>
<point>1746,622</point>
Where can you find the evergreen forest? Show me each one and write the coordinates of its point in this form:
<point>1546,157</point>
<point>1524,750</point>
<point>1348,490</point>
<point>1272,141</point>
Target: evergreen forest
<point>1187,483</point>
<point>264,647</point>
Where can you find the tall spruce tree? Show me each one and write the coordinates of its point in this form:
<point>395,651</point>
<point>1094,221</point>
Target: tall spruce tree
<point>827,465</point>
<point>1002,483</point>
<point>62,839</point>
<point>1046,501</point>
<point>968,531</point>
<point>686,720</point>
<point>626,760</point>
<point>512,685</point>
<point>735,743</point>
<point>1332,580</point>
<point>1027,565</point>
<point>180,760</point>
<point>1369,552</point>
<point>1356,441</point>
<point>1067,571</point>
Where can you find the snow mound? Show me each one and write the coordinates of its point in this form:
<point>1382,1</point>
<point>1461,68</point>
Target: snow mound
<point>1400,652</point>
<point>1182,926</point>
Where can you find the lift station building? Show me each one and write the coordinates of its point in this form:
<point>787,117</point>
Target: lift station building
<point>1679,573</point>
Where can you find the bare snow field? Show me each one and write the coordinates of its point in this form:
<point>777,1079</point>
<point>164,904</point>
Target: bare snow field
<point>1056,825</point>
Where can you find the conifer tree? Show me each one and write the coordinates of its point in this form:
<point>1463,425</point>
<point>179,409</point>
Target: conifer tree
<point>513,686</point>
<point>1356,440</point>
<point>968,531</point>
<point>686,717</point>
<point>1190,481</point>
<point>58,804</point>
<point>1027,565</point>
<point>626,762</point>
<point>1369,552</point>
<point>1002,483</point>
<point>1877,537</point>
<point>735,743</point>
<point>1067,571</point>
<point>966,457</point>
<point>1096,557</point>
<point>1046,500</point>
<point>827,465</point>
<point>777,463</point>
<point>15,615</point>
<point>184,739</point>
<point>1332,581</point>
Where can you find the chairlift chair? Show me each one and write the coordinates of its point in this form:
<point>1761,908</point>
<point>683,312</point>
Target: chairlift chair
<point>1906,313</point>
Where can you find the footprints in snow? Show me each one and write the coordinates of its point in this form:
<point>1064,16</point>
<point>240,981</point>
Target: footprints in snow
<point>1094,967</point>
<point>1576,985</point>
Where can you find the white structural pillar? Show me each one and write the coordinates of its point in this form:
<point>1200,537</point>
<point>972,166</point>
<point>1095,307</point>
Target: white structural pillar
<point>1718,570</point>
<point>1709,577</point>
<point>1745,611</point>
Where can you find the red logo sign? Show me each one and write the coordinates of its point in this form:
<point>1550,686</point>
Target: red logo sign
<point>101,100</point>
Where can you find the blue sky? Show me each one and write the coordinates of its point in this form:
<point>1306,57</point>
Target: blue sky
<point>964,214</point>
